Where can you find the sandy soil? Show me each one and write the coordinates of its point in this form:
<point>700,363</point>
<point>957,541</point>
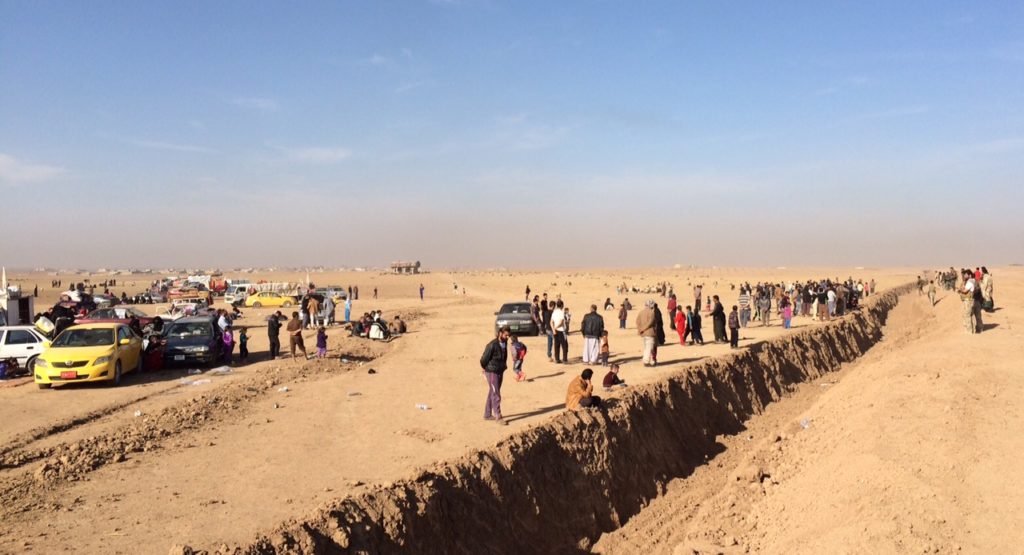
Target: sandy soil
<point>219,462</point>
<point>913,449</point>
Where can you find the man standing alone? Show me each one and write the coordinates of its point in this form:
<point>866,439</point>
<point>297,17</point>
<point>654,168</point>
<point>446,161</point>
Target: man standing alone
<point>494,362</point>
<point>645,328</point>
<point>592,328</point>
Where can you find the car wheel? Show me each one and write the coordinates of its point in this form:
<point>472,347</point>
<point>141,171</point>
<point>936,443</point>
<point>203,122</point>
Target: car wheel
<point>117,374</point>
<point>44,385</point>
<point>30,365</point>
<point>257,304</point>
<point>286,304</point>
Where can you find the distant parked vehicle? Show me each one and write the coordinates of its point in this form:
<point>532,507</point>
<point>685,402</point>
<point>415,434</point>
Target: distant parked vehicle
<point>518,317</point>
<point>119,315</point>
<point>269,298</point>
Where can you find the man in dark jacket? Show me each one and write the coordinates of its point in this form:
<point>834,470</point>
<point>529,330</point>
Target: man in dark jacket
<point>718,319</point>
<point>592,328</point>
<point>273,333</point>
<point>494,362</point>
<point>695,331</point>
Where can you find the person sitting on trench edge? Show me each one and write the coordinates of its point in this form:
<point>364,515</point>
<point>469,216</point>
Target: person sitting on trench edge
<point>580,392</point>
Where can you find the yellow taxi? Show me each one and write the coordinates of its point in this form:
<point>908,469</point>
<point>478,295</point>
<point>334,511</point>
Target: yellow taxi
<point>89,353</point>
<point>269,298</point>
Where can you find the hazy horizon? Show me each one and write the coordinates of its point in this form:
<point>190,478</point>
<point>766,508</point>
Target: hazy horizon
<point>482,133</point>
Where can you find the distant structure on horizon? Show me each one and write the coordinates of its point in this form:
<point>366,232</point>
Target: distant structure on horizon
<point>402,267</point>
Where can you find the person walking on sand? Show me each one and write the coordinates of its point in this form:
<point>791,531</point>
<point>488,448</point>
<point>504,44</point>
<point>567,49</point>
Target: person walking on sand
<point>695,323</point>
<point>931,292</point>
<point>681,325</point>
<point>698,291</point>
<point>672,307</point>
<point>623,314</point>
<point>421,291</point>
<point>645,329</point>
<point>592,328</point>
<point>295,335</point>
<point>527,292</point>
<point>494,362</point>
<point>718,321</point>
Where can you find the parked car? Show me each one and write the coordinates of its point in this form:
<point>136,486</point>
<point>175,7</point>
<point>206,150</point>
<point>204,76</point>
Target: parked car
<point>333,291</point>
<point>89,353</point>
<point>23,343</point>
<point>269,298</point>
<point>518,317</point>
<point>105,301</point>
<point>195,339</point>
<point>118,315</point>
<point>236,294</point>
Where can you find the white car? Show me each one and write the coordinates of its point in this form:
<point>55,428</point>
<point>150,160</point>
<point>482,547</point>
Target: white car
<point>24,343</point>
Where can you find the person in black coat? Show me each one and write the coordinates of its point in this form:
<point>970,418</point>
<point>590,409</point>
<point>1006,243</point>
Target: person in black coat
<point>493,362</point>
<point>718,318</point>
<point>659,326</point>
<point>273,333</point>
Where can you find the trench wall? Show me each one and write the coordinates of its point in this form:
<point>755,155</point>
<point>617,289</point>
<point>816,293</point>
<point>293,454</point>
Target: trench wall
<point>556,487</point>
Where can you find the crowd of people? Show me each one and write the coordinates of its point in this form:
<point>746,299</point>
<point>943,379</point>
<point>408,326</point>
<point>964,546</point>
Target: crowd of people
<point>821,299</point>
<point>975,289</point>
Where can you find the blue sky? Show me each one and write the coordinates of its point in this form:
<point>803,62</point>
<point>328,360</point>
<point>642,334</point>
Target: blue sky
<point>485,133</point>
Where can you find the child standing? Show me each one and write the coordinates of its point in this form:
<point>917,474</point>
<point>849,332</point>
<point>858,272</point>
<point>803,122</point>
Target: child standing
<point>734,328</point>
<point>787,312</point>
<point>605,349</point>
<point>518,355</point>
<point>243,345</point>
<point>321,342</point>
<point>229,345</point>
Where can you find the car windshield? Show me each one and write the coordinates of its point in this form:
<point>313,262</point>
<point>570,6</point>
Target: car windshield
<point>515,308</point>
<point>84,338</point>
<point>189,329</point>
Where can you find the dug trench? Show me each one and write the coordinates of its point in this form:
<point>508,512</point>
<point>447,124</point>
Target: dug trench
<point>557,487</point>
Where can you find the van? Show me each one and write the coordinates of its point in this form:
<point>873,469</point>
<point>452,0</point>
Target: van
<point>235,295</point>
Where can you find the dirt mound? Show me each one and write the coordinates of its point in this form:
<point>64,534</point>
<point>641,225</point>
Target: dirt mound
<point>560,485</point>
<point>68,462</point>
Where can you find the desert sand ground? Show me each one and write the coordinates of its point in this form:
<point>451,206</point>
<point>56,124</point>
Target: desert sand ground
<point>916,442</point>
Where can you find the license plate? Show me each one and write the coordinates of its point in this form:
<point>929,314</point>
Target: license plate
<point>68,375</point>
<point>179,357</point>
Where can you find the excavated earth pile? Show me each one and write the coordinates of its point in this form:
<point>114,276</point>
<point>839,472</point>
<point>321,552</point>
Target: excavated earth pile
<point>557,487</point>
